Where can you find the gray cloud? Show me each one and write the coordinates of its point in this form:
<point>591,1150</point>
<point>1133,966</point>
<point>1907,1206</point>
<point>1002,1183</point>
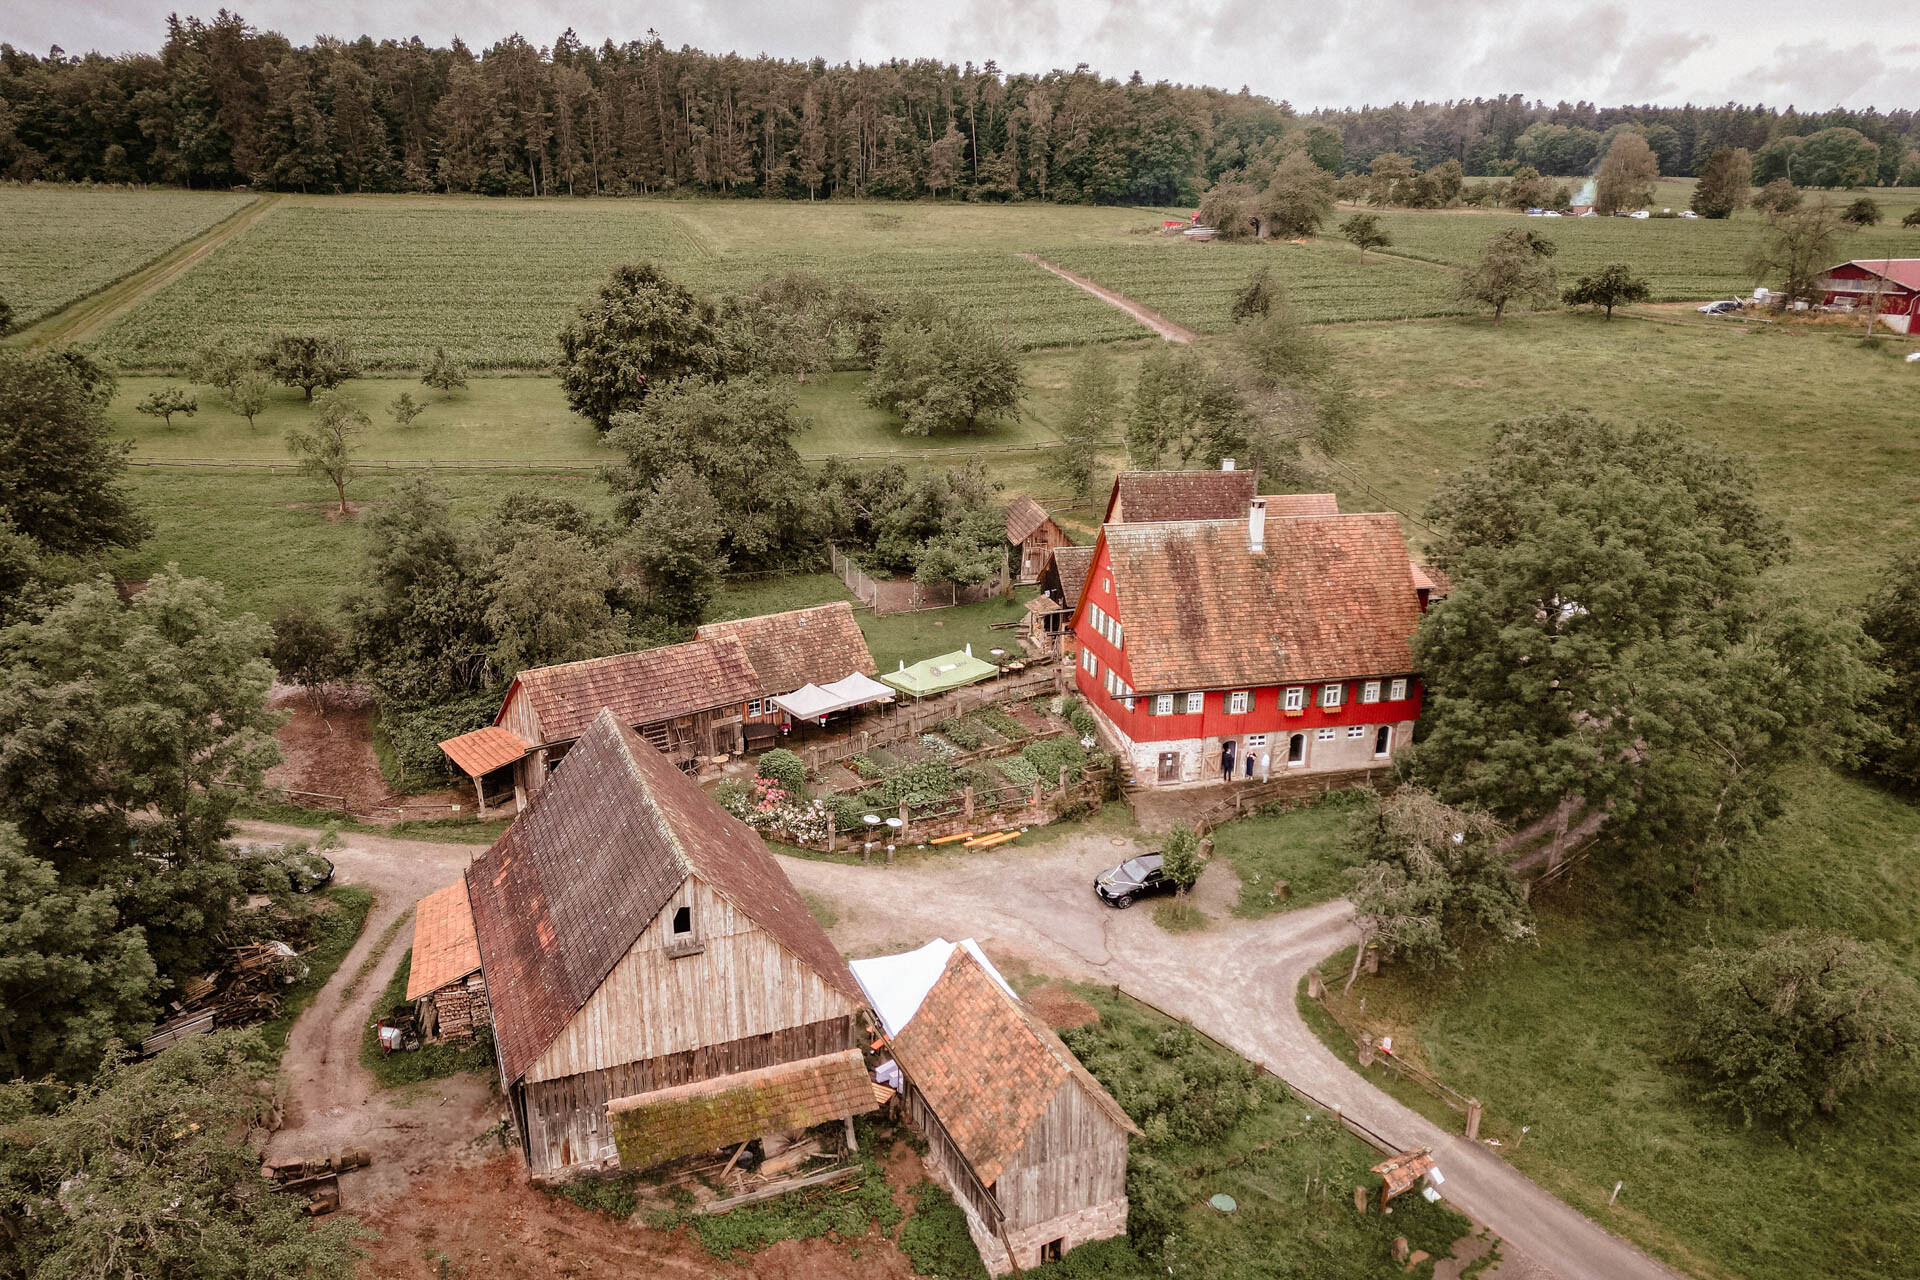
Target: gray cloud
<point>1310,52</point>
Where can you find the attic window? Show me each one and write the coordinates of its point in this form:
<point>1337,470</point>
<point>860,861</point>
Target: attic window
<point>682,941</point>
<point>682,921</point>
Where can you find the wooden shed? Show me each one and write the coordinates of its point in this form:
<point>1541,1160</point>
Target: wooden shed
<point>648,962</point>
<point>444,982</point>
<point>1031,535</point>
<point>1030,1146</point>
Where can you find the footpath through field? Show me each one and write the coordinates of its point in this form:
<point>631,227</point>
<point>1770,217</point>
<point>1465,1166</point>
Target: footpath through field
<point>1145,315</point>
<point>90,316</point>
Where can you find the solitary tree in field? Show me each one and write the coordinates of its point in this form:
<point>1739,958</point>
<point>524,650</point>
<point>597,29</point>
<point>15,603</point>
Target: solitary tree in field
<point>1796,249</point>
<point>1612,286</point>
<point>403,409</point>
<point>939,370</point>
<point>1778,196</point>
<point>444,373</point>
<point>1626,176</point>
<point>1516,266</point>
<point>640,331</point>
<point>1364,230</point>
<point>167,401</point>
<point>1912,219</point>
<point>1863,212</point>
<point>309,361</point>
<point>222,364</point>
<point>1795,1024</point>
<point>1095,408</point>
<point>248,394</point>
<point>1297,199</point>
<point>1725,178</point>
<point>327,450</point>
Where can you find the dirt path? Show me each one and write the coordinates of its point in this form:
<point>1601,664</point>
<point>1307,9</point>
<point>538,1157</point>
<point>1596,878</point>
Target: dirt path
<point>1145,315</point>
<point>89,317</point>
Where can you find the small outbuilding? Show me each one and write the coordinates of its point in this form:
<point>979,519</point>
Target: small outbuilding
<point>1889,287</point>
<point>444,982</point>
<point>1031,535</point>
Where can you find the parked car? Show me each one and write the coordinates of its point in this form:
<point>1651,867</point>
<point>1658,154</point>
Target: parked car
<point>1686,213</point>
<point>1724,307</point>
<point>1139,877</point>
<point>1640,213</point>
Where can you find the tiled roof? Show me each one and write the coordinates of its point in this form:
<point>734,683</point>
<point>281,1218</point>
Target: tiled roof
<point>564,894</point>
<point>485,750</point>
<point>1072,564</point>
<point>684,1120</point>
<point>1024,518</point>
<point>800,647</point>
<point>988,1067</point>
<point>444,948</point>
<point>1301,504</point>
<point>1331,597</point>
<point>1182,495</point>
<point>640,688</point>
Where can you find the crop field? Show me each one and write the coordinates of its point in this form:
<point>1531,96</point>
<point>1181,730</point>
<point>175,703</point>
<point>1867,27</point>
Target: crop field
<point>62,243</point>
<point>1194,283</point>
<point>495,280</point>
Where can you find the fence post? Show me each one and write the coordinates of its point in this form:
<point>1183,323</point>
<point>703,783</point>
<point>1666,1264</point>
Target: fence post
<point>831,831</point>
<point>966,800</point>
<point>1063,779</point>
<point>1473,1119</point>
<point>906,819</point>
<point>1035,801</point>
<point>1316,985</point>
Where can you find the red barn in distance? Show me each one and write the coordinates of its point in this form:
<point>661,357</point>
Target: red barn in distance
<point>1889,285</point>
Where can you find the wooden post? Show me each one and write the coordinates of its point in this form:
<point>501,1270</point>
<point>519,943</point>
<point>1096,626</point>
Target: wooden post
<point>1360,1198</point>
<point>906,819</point>
<point>1316,985</point>
<point>853,1143</point>
<point>1035,800</point>
<point>1063,779</point>
<point>966,800</point>
<point>832,831</point>
<point>1373,960</point>
<point>1473,1119</point>
<point>480,793</point>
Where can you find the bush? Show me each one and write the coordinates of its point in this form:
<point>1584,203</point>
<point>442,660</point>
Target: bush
<point>866,766</point>
<point>1181,1088</point>
<point>1081,719</point>
<point>785,768</point>
<point>935,1238</point>
<point>848,812</point>
<point>1116,1258</point>
<point>612,1196</point>
<point>1156,1199</point>
<point>414,735</point>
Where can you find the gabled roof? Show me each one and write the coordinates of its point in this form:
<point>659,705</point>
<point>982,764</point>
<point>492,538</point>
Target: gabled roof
<point>988,1067</point>
<point>1024,518</point>
<point>640,688</point>
<point>799,647</point>
<point>1181,495</point>
<point>1072,564</point>
<point>581,873</point>
<point>444,947</point>
<point>1902,271</point>
<point>1280,505</point>
<point>1330,597</point>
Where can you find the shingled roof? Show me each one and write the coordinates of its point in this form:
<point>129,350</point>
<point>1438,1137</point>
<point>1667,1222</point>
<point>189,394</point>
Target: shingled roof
<point>581,873</point>
<point>1180,495</point>
<point>988,1067</point>
<point>1280,505</point>
<point>799,647</point>
<point>1072,564</point>
<point>1330,597</point>
<point>1024,518</point>
<point>640,688</point>
<point>444,948</point>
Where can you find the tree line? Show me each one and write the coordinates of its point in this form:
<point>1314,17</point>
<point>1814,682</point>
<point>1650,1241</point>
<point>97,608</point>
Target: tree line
<point>225,104</point>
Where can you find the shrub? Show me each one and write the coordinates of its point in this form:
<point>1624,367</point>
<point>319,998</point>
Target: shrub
<point>866,766</point>
<point>414,734</point>
<point>935,1238</point>
<point>921,786</point>
<point>1098,1260</point>
<point>1018,770</point>
<point>1156,1199</point>
<point>1195,1092</point>
<point>785,768</point>
<point>611,1196</point>
<point>848,812</point>
<point>1081,719</point>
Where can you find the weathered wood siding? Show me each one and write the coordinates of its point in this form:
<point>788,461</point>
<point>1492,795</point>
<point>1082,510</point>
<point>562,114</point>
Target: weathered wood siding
<point>1074,1157</point>
<point>516,715</point>
<point>742,983</point>
<point>949,1167</point>
<point>563,1122</point>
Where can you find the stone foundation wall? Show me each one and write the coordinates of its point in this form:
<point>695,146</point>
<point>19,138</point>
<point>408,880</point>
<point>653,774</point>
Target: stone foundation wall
<point>1082,1226</point>
<point>1200,757</point>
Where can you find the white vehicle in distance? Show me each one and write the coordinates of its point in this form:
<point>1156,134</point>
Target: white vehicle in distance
<point>1725,307</point>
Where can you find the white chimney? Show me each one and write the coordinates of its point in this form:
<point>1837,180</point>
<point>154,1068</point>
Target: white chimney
<point>1257,525</point>
<point>1226,464</point>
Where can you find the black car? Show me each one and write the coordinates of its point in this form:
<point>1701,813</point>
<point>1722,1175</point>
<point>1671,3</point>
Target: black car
<point>1135,878</point>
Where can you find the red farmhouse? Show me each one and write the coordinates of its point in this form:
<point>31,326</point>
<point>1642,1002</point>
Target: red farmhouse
<point>1894,281</point>
<point>1250,646</point>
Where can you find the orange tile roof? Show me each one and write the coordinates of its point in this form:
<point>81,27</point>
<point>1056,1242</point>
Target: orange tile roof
<point>1330,597</point>
<point>640,688</point>
<point>720,1111</point>
<point>800,647</point>
<point>987,1067</point>
<point>1181,495</point>
<point>1024,518</point>
<point>485,750</point>
<point>1280,505</point>
<point>581,873</point>
<point>444,947</point>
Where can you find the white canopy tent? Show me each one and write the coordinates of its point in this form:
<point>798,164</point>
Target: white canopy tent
<point>817,701</point>
<point>895,985</point>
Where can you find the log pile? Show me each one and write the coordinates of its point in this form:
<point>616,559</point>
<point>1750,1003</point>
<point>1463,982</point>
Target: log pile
<point>459,1008</point>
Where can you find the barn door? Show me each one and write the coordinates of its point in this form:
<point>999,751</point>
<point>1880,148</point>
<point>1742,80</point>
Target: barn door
<point>1169,766</point>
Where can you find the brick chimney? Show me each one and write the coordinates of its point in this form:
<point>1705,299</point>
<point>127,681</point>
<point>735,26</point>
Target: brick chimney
<point>1257,526</point>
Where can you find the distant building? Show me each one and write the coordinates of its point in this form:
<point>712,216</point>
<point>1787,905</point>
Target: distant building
<point>657,987</point>
<point>1031,535</point>
<point>1890,286</point>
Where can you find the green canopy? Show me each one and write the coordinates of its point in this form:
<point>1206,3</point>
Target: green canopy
<point>937,675</point>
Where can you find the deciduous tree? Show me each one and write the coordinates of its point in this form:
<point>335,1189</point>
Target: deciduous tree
<point>1626,176</point>
<point>164,402</point>
<point>1778,196</point>
<point>1365,232</point>
<point>1862,212</point>
<point>938,370</point>
<point>61,473</point>
<point>326,449</point>
<point>1093,419</point>
<point>1298,197</point>
<point>1515,266</point>
<point>444,373</point>
<point>404,409</point>
<point>1255,297</point>
<point>248,395</point>
<point>640,331</point>
<point>1796,249</point>
<point>1725,178</point>
<point>676,546</point>
<point>550,602</point>
<point>310,361</point>
<point>308,648</point>
<point>1185,412</point>
<point>1892,621</point>
<point>1613,285</point>
<point>1180,858</point>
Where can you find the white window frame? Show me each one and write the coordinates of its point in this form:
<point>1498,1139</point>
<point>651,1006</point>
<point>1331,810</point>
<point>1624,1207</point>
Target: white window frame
<point>1370,691</point>
<point>753,706</point>
<point>1325,735</point>
<point>1196,702</point>
<point>1382,755</point>
<point>1089,663</point>
<point>1163,704</point>
<point>1255,741</point>
<point>1296,698</point>
<point>1239,702</point>
<point>1128,700</point>
<point>1119,636</point>
<point>1333,696</point>
<point>1397,690</point>
<point>1356,731</point>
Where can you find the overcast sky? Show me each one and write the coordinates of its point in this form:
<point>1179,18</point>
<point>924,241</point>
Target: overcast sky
<point>1309,52</point>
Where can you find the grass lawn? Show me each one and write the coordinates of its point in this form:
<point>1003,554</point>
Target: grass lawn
<point>1826,422</point>
<point>428,1062</point>
<point>909,637</point>
<point>334,936</point>
<point>1571,1039</point>
<point>1305,846</point>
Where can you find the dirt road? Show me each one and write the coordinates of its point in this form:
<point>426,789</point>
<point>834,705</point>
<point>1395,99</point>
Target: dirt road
<point>1145,315</point>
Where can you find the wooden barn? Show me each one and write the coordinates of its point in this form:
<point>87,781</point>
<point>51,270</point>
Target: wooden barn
<point>444,982</point>
<point>1030,1146</point>
<point>1031,535</point>
<point>689,700</point>
<point>658,989</point>
<point>1060,584</point>
<point>787,651</point>
<point>1889,287</point>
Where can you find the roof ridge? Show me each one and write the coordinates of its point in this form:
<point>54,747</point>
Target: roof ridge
<point>762,617</point>
<point>609,657</point>
<point>624,737</point>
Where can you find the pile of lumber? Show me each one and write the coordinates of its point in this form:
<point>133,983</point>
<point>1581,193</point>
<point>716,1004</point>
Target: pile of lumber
<point>459,1007</point>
